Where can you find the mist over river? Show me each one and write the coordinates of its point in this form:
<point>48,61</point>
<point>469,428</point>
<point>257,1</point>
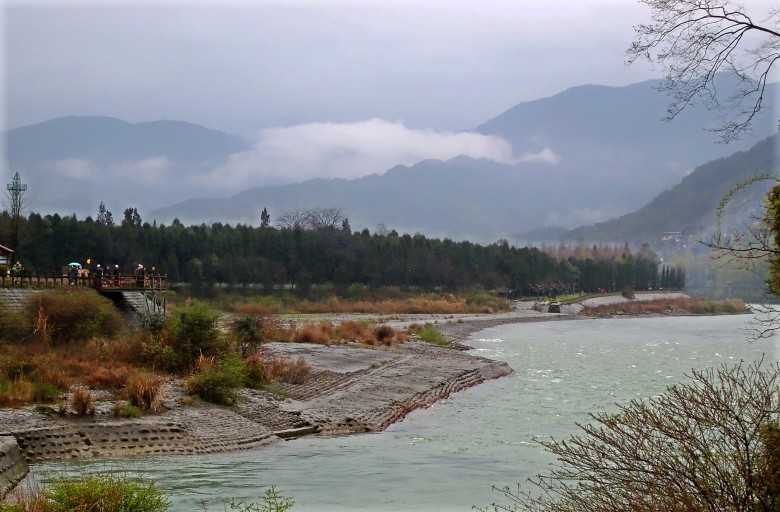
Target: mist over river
<point>446,457</point>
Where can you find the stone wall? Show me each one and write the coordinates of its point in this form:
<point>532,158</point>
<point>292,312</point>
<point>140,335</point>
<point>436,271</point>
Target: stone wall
<point>13,466</point>
<point>16,299</point>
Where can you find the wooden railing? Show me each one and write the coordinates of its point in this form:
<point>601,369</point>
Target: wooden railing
<point>122,282</point>
<point>106,283</point>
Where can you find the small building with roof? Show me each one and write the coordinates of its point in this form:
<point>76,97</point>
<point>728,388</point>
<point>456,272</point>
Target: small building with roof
<point>5,259</point>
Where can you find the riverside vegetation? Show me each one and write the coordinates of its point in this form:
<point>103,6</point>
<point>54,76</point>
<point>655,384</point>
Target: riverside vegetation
<point>120,493</point>
<point>73,339</point>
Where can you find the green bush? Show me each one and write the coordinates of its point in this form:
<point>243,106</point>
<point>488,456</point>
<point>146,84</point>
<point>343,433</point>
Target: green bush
<point>218,380</point>
<point>98,493</point>
<point>45,391</point>
<point>125,410</point>
<point>106,493</point>
<point>428,333</point>
<point>249,332</point>
<point>196,332</point>
<point>257,370</point>
<point>74,313</point>
<point>487,302</point>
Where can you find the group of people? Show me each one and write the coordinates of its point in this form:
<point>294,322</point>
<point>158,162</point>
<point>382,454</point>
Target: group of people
<point>75,272</point>
<point>110,275</point>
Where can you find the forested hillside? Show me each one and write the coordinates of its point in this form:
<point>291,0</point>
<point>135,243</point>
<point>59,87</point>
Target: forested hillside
<point>689,207</point>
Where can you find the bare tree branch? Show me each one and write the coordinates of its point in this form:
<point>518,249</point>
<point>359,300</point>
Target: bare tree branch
<point>693,40</point>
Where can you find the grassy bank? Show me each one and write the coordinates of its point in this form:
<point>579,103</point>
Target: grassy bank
<point>681,306</point>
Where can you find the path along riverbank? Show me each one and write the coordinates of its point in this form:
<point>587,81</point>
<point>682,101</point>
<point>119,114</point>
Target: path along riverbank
<point>350,390</point>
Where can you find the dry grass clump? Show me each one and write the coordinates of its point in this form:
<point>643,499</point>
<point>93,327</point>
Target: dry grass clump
<point>265,368</point>
<point>320,333</point>
<point>354,331</point>
<point>81,402</point>
<point>145,391</point>
<point>386,335</point>
<point>256,309</point>
<point>348,331</point>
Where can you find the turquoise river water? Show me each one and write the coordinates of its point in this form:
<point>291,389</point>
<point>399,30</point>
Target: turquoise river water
<point>446,457</point>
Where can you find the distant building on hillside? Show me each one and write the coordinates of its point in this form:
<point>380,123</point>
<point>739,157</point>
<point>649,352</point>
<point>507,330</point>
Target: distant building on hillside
<point>671,236</point>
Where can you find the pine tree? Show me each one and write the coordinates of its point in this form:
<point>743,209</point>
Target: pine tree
<point>265,219</point>
<point>104,216</point>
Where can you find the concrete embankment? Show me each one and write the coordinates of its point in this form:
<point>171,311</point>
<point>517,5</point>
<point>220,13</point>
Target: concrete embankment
<point>13,466</point>
<point>350,390</point>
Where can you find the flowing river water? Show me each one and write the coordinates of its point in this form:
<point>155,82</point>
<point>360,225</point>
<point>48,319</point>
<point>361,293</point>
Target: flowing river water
<point>447,457</point>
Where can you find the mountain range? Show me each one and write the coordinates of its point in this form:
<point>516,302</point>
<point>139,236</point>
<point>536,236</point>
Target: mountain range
<point>608,153</point>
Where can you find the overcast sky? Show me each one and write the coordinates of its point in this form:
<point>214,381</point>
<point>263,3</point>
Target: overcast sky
<point>244,66</point>
<point>411,71</point>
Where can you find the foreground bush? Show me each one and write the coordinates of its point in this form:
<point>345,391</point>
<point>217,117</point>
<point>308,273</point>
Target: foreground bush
<point>713,444</point>
<point>74,313</point>
<point>119,493</point>
<point>98,493</point>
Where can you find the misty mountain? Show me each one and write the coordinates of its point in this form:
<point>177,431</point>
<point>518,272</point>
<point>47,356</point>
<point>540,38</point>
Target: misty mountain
<point>461,197</point>
<point>690,206</point>
<point>616,151</point>
<point>585,155</point>
<point>73,163</point>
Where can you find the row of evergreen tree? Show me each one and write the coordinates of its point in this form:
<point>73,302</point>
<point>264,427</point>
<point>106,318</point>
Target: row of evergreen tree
<point>242,255</point>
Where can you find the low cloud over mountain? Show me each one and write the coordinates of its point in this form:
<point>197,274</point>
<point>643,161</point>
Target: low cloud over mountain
<point>348,150</point>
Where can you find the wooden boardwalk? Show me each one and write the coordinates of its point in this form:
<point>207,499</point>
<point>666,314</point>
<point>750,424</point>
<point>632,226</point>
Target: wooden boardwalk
<point>104,284</point>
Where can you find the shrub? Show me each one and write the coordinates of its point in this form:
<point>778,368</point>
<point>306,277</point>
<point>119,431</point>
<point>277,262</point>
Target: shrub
<point>145,391</point>
<point>257,371</point>
<point>15,392</point>
<point>106,493</point>
<point>352,330</point>
<point>481,301</point>
<point>125,410</point>
<point>385,334</point>
<point>81,402</point>
<point>628,292</point>
<point>319,333</point>
<point>74,313</point>
<point>196,333</point>
<point>153,324</point>
<point>428,333</point>
<point>44,391</point>
<point>250,331</point>
<point>218,380</point>
<point>100,377</point>
<point>294,373</point>
<point>262,369</point>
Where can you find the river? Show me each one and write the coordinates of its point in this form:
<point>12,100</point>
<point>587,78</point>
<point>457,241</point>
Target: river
<point>446,457</point>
